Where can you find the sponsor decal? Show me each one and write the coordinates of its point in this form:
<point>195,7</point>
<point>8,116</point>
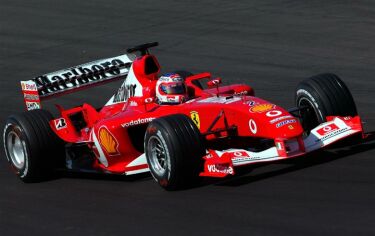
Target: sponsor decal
<point>32,105</point>
<point>285,122</point>
<point>133,103</point>
<point>124,93</point>
<point>260,108</point>
<point>280,118</point>
<point>240,93</point>
<point>224,169</point>
<point>253,126</point>
<point>327,129</point>
<point>215,81</point>
<point>108,142</point>
<point>222,100</point>
<point>89,73</point>
<point>238,160</point>
<point>28,86</point>
<point>149,100</point>
<point>60,123</point>
<point>250,103</point>
<point>273,113</point>
<point>299,91</point>
<point>290,126</point>
<point>167,77</point>
<point>240,154</point>
<point>172,99</point>
<point>333,133</point>
<point>245,160</point>
<point>31,97</point>
<point>195,118</point>
<point>138,122</point>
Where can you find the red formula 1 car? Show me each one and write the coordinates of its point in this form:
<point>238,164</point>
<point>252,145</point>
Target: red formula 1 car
<point>210,133</point>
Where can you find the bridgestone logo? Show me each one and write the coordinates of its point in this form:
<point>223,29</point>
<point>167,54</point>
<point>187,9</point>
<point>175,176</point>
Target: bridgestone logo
<point>138,122</point>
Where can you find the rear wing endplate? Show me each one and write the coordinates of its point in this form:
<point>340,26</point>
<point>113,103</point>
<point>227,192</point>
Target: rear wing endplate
<point>75,78</point>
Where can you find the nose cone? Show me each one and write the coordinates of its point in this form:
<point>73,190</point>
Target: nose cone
<point>281,124</point>
<point>275,122</point>
<point>288,128</point>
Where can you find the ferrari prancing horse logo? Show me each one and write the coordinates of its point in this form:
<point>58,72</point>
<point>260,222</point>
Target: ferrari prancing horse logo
<point>195,118</point>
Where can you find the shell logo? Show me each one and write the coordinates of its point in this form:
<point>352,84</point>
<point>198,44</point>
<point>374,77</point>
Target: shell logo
<point>259,108</point>
<point>108,142</point>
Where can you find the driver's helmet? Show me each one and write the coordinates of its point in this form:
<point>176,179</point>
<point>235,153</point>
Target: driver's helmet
<point>171,89</point>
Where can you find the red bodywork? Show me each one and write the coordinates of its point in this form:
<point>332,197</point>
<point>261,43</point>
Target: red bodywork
<point>115,132</point>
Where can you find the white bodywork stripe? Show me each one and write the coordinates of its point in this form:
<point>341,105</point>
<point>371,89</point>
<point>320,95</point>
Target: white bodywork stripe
<point>141,160</point>
<point>133,172</point>
<point>102,157</point>
<point>131,80</point>
<point>266,155</point>
<point>315,141</point>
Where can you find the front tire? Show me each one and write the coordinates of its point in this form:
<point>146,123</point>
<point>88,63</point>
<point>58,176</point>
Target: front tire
<point>321,96</point>
<point>32,149</point>
<point>174,151</point>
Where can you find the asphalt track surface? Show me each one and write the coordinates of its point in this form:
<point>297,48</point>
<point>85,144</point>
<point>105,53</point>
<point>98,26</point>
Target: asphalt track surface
<point>271,45</point>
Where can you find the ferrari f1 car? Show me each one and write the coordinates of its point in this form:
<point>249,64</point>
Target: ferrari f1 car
<point>217,129</point>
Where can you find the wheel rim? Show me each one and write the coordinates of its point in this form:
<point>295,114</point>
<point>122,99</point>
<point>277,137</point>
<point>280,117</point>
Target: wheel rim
<point>158,156</point>
<point>16,149</point>
<point>309,115</point>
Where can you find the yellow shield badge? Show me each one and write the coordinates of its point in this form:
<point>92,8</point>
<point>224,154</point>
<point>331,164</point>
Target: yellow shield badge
<point>195,118</point>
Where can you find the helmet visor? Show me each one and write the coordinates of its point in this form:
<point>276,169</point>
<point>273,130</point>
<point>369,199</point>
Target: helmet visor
<point>173,88</point>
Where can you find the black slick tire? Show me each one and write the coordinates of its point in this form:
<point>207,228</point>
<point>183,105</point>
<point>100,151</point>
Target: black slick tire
<point>32,149</point>
<point>174,151</point>
<point>321,96</point>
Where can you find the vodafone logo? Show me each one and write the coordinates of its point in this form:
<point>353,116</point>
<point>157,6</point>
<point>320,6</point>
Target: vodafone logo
<point>253,126</point>
<point>327,129</point>
<point>240,154</point>
<point>237,154</point>
<point>149,100</point>
<point>273,113</point>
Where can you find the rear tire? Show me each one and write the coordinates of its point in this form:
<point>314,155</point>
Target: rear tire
<point>174,151</point>
<point>32,149</point>
<point>323,95</point>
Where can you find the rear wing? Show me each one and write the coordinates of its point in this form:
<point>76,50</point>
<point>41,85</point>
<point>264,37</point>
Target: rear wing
<point>75,78</point>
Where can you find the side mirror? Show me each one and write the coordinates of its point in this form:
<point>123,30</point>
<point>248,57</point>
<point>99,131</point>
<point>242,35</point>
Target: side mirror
<point>214,82</point>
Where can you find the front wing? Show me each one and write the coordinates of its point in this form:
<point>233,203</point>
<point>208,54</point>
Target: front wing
<point>223,163</point>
